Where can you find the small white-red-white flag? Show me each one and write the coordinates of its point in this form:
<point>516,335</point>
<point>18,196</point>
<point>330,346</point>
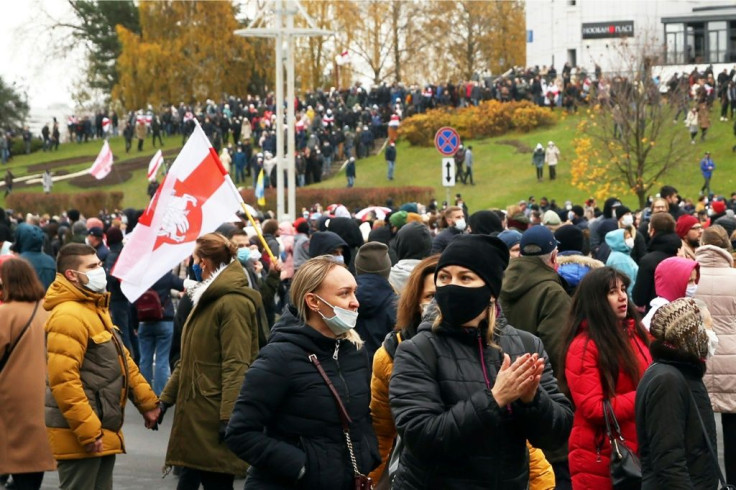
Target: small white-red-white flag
<point>103,163</point>
<point>154,165</point>
<point>343,58</point>
<point>195,198</point>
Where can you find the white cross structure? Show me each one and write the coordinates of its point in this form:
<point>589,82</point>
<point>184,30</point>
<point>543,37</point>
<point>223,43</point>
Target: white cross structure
<point>283,31</point>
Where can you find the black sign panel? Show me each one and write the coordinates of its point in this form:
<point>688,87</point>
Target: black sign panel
<point>605,30</point>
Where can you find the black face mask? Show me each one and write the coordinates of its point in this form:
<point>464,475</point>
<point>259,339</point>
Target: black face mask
<point>459,304</point>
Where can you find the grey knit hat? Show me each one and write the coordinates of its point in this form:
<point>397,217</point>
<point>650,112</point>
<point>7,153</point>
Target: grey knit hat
<point>680,325</point>
<point>373,258</point>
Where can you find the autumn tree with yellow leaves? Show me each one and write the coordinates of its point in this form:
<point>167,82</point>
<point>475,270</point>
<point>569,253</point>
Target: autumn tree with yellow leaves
<point>627,144</point>
<point>186,52</point>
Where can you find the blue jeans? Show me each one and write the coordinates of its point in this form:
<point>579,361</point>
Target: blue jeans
<point>351,181</point>
<point>155,339</point>
<point>391,166</point>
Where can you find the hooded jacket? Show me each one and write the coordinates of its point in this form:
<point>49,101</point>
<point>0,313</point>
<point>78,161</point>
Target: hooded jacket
<point>660,247</point>
<point>534,299</point>
<point>90,374</point>
<point>674,454</point>
<point>413,243</point>
<point>285,417</point>
<point>326,242</point>
<point>455,435</point>
<point>590,450</point>
<point>29,244</point>
<point>538,156</point>
<point>377,310</point>
<point>218,344</point>
<point>620,257</point>
<point>574,266</point>
<point>442,240</point>
<point>716,288</point>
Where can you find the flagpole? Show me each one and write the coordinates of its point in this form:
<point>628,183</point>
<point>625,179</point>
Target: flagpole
<point>251,220</point>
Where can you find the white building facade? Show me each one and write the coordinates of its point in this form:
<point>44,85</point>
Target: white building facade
<point>585,33</point>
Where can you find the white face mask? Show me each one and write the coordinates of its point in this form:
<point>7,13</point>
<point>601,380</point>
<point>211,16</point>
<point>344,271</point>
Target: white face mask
<point>254,256</point>
<point>460,224</point>
<point>343,321</point>
<point>627,220</point>
<point>712,343</point>
<point>96,280</point>
<point>629,242</point>
<point>690,290</point>
<point>86,241</point>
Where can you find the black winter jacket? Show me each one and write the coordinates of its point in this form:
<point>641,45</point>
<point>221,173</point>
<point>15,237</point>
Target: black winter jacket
<point>443,239</point>
<point>660,247</point>
<point>285,417</point>
<point>672,447</point>
<point>455,435</point>
<point>377,311</point>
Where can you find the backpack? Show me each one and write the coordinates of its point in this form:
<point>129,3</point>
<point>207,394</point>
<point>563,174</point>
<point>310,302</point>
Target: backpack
<point>149,307</point>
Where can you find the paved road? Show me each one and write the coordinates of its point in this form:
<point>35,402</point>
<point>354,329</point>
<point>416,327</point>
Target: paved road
<point>141,467</point>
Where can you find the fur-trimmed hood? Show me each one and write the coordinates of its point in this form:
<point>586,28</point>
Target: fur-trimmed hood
<point>580,260</point>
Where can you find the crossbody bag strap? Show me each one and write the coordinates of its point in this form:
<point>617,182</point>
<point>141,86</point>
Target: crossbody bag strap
<point>344,417</point>
<point>6,357</point>
<point>711,449</point>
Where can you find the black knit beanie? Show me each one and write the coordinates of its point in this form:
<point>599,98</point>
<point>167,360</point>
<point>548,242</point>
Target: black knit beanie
<point>485,255</point>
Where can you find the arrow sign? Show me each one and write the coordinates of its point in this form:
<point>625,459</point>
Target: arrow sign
<point>448,172</point>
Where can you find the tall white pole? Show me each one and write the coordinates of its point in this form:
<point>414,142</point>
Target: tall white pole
<point>290,114</point>
<point>279,111</point>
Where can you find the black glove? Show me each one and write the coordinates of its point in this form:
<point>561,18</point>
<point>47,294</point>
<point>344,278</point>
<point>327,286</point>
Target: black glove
<point>163,406</point>
<point>221,430</point>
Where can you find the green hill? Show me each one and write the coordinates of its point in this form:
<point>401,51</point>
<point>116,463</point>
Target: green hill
<point>503,170</point>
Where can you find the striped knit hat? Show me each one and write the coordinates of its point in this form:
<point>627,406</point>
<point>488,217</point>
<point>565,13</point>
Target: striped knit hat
<point>679,324</point>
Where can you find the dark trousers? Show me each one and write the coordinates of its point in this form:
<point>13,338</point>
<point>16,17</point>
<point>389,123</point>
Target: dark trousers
<point>140,145</point>
<point>540,173</point>
<point>552,172</point>
<point>562,475</point>
<point>729,446</point>
<point>157,136</point>
<point>27,481</point>
<point>190,479</point>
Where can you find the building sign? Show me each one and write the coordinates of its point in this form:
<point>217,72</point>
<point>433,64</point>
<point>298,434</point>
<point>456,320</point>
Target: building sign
<point>604,30</point>
<point>529,36</point>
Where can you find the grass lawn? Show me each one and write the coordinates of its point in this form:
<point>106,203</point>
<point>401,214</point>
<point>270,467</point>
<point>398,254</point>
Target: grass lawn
<point>502,174</point>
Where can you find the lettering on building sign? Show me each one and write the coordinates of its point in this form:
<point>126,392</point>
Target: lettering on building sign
<point>604,30</point>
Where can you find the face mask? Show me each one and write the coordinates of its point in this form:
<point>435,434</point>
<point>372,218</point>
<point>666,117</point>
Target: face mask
<point>343,321</point>
<point>690,290</point>
<point>197,269</point>
<point>712,343</point>
<point>629,242</point>
<point>5,250</point>
<point>627,220</point>
<point>460,224</point>
<point>459,304</point>
<point>243,255</point>
<point>96,280</point>
<point>255,256</point>
<point>339,259</point>
<point>86,242</point>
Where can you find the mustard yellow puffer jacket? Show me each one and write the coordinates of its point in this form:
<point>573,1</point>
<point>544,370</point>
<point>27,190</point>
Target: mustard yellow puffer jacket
<point>541,476</point>
<point>90,374</point>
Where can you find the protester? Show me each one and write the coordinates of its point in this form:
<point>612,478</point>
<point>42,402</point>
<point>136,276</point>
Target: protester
<point>453,221</point>
<point>512,239</point>
<point>551,158</point>
<point>413,243</point>
<point>390,155</point>
<point>286,422</point>
<point>675,277</point>
<point>219,342</point>
<point>90,374</point>
<point>440,404</point>
<point>671,401</point>
<point>621,243</point>
<point>95,239</point>
<point>707,166</point>
<point>24,446</point>
<point>689,229</point>
<point>716,288</point>
<point>605,356</point>
<point>573,265</point>
<point>29,244</point>
<point>538,161</point>
<point>664,243</point>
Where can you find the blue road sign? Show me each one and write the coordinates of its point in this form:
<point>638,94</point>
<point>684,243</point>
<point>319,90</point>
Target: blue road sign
<point>447,141</point>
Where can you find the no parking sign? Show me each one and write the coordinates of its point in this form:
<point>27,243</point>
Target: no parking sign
<point>447,141</point>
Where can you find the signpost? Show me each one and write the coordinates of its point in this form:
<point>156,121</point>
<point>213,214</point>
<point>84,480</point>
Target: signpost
<point>447,142</point>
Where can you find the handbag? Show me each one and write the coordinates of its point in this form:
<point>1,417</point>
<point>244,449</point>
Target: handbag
<point>362,482</point>
<point>6,357</point>
<point>711,450</point>
<point>625,466</point>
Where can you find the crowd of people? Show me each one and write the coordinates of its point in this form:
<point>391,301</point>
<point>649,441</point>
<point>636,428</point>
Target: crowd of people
<point>420,346</point>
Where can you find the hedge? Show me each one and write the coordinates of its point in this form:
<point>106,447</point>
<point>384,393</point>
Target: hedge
<point>355,198</point>
<point>88,203</point>
<point>489,118</point>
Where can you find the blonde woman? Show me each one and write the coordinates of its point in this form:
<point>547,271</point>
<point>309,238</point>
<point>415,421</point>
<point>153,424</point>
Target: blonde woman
<point>286,423</point>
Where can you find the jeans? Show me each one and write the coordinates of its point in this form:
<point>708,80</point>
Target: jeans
<point>351,181</point>
<point>239,174</point>
<point>301,180</point>
<point>155,340</point>
<point>391,166</point>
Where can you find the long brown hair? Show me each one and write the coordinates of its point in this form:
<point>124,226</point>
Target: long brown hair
<point>590,304</point>
<point>408,313</point>
<point>19,281</point>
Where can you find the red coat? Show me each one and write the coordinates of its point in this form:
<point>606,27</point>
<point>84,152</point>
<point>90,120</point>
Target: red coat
<point>588,468</point>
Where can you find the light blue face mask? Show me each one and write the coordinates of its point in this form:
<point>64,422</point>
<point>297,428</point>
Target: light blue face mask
<point>243,255</point>
<point>339,259</point>
<point>343,321</point>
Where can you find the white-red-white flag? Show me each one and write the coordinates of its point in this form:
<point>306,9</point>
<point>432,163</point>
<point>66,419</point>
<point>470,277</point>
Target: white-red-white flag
<point>195,198</point>
<point>154,165</point>
<point>103,163</point>
<point>343,58</point>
